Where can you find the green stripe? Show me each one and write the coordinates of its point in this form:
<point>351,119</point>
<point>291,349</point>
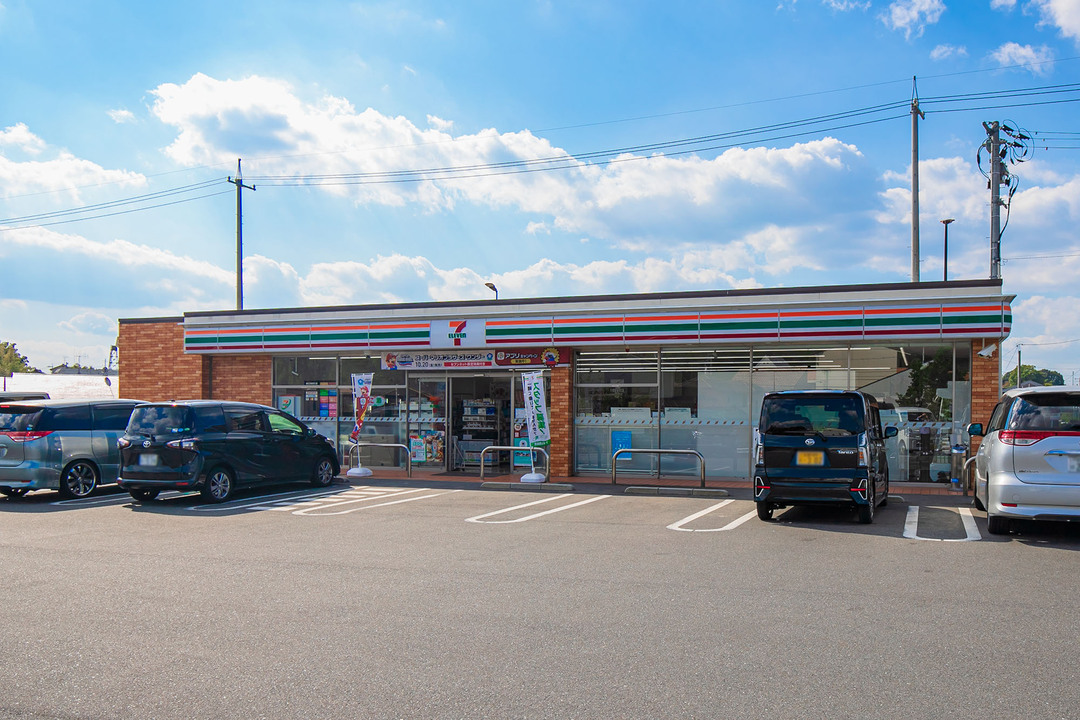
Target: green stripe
<point>878,322</point>
<point>748,325</point>
<point>673,327</point>
<point>974,319</point>
<point>500,332</point>
<point>821,325</point>
<point>581,329</point>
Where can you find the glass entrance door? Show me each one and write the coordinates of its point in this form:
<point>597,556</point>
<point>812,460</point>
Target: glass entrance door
<point>427,422</point>
<point>480,414</point>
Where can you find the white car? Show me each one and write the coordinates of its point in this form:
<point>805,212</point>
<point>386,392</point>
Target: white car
<point>1028,464</point>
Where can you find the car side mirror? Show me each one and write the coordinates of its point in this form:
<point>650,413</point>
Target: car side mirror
<point>975,429</point>
<point>891,432</point>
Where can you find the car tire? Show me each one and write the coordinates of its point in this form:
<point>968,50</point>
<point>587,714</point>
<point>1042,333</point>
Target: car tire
<point>144,495</point>
<point>997,525</point>
<point>866,512</point>
<point>978,503</point>
<point>78,480</point>
<point>764,511</point>
<point>13,492</point>
<point>219,486</point>
<point>322,475</point>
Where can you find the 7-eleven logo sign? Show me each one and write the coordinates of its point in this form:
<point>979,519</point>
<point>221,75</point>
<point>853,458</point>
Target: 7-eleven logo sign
<point>457,331</point>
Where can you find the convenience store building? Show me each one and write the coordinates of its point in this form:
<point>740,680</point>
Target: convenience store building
<point>684,370</point>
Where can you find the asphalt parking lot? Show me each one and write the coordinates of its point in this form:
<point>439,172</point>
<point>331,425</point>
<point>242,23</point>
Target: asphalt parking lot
<point>439,600</point>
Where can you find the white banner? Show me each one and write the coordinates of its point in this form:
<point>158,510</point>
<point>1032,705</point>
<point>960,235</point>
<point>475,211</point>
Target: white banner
<point>361,388</point>
<point>536,413</point>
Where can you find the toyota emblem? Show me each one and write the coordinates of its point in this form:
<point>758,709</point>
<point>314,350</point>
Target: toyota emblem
<point>809,441</point>
<point>146,443</point>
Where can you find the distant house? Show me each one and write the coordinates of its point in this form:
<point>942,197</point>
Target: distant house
<point>77,369</point>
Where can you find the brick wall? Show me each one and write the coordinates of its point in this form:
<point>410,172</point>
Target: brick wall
<point>153,367</point>
<point>562,420</point>
<point>985,373</point>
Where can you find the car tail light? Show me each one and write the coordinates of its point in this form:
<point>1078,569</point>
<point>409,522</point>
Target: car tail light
<point>26,435</point>
<point>183,444</point>
<point>864,452</point>
<point>1030,437</point>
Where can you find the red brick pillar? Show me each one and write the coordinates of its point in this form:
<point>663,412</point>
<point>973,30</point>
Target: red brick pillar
<point>562,420</point>
<point>985,378</point>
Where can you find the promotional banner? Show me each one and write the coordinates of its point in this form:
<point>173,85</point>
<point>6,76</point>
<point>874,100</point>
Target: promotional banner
<point>536,413</point>
<point>361,384</point>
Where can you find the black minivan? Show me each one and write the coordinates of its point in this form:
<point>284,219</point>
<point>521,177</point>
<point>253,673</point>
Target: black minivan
<point>216,447</point>
<point>821,447</point>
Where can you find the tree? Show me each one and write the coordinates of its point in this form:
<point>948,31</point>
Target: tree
<point>13,362</point>
<point>926,379</point>
<point>1028,373</point>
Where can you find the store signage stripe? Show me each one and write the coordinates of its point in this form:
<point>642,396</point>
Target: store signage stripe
<point>652,327</point>
<point>736,336</point>
<point>738,315</point>
<point>661,318</point>
<point>931,310</point>
<point>586,321</point>
<point>822,333</point>
<point>542,321</point>
<point>988,319</point>
<point>819,313</point>
<point>902,332</point>
<point>734,325</point>
<point>612,329</point>
<point>788,323</point>
<point>527,332</point>
<point>903,322</point>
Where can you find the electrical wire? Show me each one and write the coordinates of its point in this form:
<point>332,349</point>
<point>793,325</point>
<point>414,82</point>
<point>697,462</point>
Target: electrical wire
<point>113,214</point>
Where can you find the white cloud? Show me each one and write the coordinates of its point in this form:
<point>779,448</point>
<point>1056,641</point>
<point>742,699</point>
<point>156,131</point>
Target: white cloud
<point>1038,60</point>
<point>845,5</point>
<point>1002,4</point>
<point>64,172</point>
<point>92,323</point>
<point>912,16</point>
<point>942,52</point>
<point>439,124</point>
<point>1063,14</point>
<point>121,116</point>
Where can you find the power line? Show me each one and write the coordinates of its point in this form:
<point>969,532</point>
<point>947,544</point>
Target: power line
<point>113,214</point>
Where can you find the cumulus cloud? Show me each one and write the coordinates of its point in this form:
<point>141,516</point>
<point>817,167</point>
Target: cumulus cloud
<point>912,16</point>
<point>1063,14</point>
<point>1002,4</point>
<point>1038,60</point>
<point>845,5</point>
<point>90,323</point>
<point>62,172</point>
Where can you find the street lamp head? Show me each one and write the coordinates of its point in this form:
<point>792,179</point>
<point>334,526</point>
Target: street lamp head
<point>946,221</point>
<point>492,288</point>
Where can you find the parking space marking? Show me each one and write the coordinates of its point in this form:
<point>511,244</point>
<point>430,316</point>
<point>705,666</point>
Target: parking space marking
<point>263,502</point>
<point>310,511</point>
<point>480,518</point>
<point>971,530</point>
<point>117,499</point>
<point>691,518</point>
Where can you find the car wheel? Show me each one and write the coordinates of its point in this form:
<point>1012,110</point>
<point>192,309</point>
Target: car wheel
<point>997,525</point>
<point>13,492</point>
<point>219,485</point>
<point>978,503</point>
<point>866,512</point>
<point>78,480</point>
<point>764,511</point>
<point>323,473</point>
<point>144,495</point>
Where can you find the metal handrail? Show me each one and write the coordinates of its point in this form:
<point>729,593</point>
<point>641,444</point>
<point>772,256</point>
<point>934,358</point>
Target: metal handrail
<point>655,451</point>
<point>519,448</point>
<point>967,462</point>
<point>408,455</point>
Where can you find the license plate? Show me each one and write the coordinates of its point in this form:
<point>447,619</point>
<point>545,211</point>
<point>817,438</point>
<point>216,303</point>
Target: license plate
<point>149,459</point>
<point>810,457</point>
<point>1074,463</point>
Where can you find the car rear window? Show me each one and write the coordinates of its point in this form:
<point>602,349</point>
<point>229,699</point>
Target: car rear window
<point>810,414</point>
<point>160,420</point>
<point>1046,411</point>
<point>19,418</point>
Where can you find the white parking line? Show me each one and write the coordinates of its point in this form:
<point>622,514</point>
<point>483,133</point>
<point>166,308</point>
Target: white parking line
<point>308,511</point>
<point>261,501</point>
<point>480,518</point>
<point>971,530</point>
<point>117,499</point>
<point>691,518</point>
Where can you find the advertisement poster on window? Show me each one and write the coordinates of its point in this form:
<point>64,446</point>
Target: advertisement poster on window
<point>361,384</point>
<point>536,412</point>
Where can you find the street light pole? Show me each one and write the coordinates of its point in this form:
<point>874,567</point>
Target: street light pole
<point>945,262</point>
<point>491,286</point>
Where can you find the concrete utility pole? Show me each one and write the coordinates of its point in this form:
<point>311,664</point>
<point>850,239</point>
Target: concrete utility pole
<point>916,113</point>
<point>993,145</point>
<point>238,181</point>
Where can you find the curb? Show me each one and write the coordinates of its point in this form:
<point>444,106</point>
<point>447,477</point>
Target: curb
<point>681,492</point>
<point>536,487</point>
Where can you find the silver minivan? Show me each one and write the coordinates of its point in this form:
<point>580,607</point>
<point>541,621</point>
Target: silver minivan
<point>65,445</point>
<point>1028,464</point>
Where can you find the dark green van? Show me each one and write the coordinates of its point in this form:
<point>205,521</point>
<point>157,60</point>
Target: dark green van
<point>821,447</point>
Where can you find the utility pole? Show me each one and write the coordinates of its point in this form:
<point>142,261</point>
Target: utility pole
<point>993,146</point>
<point>916,113</point>
<point>238,181</point>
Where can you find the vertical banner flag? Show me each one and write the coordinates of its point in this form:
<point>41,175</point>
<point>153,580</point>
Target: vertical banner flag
<point>361,389</point>
<point>536,413</point>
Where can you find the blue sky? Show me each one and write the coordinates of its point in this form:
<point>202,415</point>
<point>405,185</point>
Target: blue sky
<point>151,104</point>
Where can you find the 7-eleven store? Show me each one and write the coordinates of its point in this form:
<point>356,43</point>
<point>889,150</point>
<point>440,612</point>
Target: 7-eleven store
<point>657,371</point>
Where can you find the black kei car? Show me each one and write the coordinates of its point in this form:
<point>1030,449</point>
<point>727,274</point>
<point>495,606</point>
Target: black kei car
<point>216,447</point>
<point>821,447</point>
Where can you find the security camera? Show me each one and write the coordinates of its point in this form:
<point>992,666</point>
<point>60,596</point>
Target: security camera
<point>988,351</point>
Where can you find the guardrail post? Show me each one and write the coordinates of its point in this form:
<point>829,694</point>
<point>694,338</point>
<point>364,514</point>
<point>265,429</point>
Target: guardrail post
<point>656,451</point>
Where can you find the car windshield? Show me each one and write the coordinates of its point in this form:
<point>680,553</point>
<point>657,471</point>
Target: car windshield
<point>1046,411</point>
<point>811,415</point>
<point>154,420</point>
<point>18,418</point>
